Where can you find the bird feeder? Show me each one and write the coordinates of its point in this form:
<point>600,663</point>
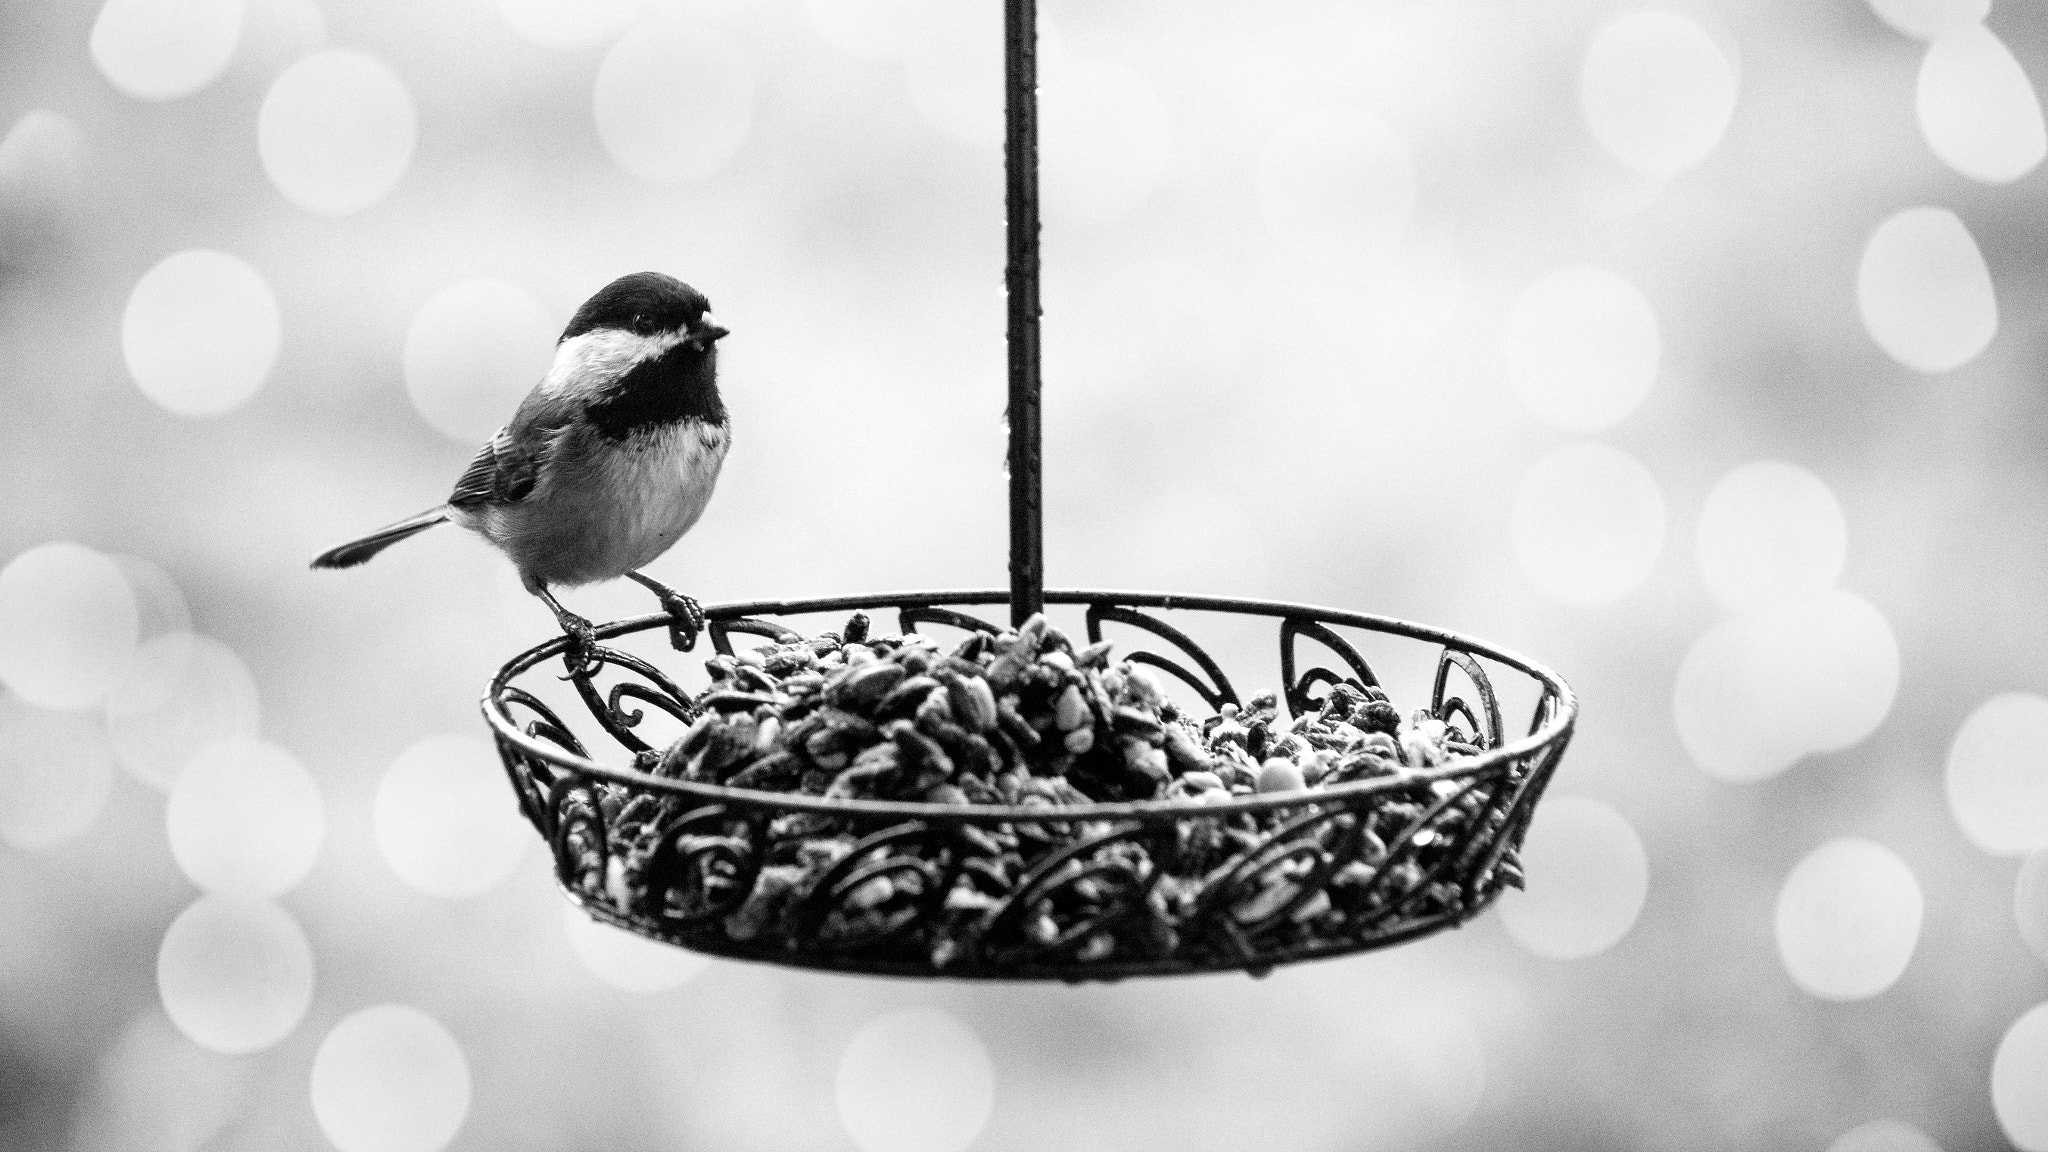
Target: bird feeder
<point>703,819</point>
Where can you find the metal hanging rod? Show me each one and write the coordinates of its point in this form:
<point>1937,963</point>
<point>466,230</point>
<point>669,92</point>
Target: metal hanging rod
<point>1020,279</point>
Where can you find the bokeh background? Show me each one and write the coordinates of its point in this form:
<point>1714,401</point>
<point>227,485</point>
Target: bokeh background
<point>1694,350</point>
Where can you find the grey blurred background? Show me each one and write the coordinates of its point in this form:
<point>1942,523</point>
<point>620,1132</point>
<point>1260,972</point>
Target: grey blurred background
<point>1694,350</point>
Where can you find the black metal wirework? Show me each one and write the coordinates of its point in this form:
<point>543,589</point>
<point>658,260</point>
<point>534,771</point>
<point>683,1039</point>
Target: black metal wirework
<point>1259,881</point>
<point>1020,279</point>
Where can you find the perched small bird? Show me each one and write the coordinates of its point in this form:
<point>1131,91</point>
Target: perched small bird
<point>607,462</point>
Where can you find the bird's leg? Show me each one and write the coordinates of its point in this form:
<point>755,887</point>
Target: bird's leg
<point>685,615</point>
<point>580,658</point>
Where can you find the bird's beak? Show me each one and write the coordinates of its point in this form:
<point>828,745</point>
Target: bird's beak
<point>705,332</point>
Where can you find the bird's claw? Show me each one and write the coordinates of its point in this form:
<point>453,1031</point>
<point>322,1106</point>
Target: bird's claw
<point>580,657</point>
<point>685,616</point>
<point>685,619</point>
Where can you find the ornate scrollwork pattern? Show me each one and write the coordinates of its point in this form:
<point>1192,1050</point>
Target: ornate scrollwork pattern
<point>1132,889</point>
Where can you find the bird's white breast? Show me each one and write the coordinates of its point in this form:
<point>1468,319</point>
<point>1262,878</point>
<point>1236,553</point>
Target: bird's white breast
<point>666,478</point>
<point>605,508</point>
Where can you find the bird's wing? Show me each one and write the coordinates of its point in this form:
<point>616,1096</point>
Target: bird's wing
<point>521,456</point>
<point>503,472</point>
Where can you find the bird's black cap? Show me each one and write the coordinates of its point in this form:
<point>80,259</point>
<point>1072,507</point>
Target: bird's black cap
<point>644,302</point>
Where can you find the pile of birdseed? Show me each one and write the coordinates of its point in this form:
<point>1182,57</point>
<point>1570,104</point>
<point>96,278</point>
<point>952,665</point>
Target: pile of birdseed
<point>1022,718</point>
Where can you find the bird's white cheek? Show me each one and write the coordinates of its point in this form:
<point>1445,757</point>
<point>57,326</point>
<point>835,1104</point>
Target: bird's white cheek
<point>601,355</point>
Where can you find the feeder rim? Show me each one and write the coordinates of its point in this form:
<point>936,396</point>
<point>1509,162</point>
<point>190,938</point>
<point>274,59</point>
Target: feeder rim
<point>1491,762</point>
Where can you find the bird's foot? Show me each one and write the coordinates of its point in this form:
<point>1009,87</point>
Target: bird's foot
<point>580,657</point>
<point>685,615</point>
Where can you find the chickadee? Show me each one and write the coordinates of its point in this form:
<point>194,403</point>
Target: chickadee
<point>607,462</point>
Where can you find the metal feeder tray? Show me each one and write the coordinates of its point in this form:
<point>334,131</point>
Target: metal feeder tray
<point>1260,881</point>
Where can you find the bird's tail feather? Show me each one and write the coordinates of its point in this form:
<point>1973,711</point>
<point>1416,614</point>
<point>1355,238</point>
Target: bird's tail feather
<point>356,551</point>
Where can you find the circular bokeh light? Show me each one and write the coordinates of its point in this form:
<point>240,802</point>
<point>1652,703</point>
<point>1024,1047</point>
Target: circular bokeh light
<point>1770,532</point>
<point>915,1080</point>
<point>153,1090</point>
<point>235,973</point>
<point>1581,348</point>
<point>2019,1081</point>
<point>200,333</point>
<point>159,604</point>
<point>67,625</point>
<point>568,23</point>
<point>1884,1136</point>
<point>1924,291</point>
<point>444,820</point>
<point>472,353</point>
<point>1977,108</point>
<point>336,132</point>
<point>1760,690</point>
<point>1337,185</point>
<point>2030,903</point>
<point>164,49</point>
<point>1850,667</point>
<point>40,160</point>
<point>182,692</point>
<point>245,817</point>
<point>1587,878</point>
<point>1657,92</point>
<point>628,962</point>
<point>1848,918</point>
<point>673,102</point>
<point>55,772</point>
<point>1927,19</point>
<point>1588,524</point>
<point>1997,774</point>
<point>390,1079</point>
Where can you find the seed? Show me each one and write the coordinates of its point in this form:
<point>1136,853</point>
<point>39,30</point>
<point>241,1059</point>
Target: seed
<point>1080,740</point>
<point>936,707</point>
<point>1070,711</point>
<point>1138,722</point>
<point>615,884</point>
<point>1311,908</point>
<point>1032,634</point>
<point>1265,902</point>
<point>1184,752</point>
<point>965,897</point>
<point>1281,775</point>
<point>871,894</point>
<point>1144,686</point>
<point>1146,761</point>
<point>863,689</point>
<point>1378,716</point>
<point>974,703</point>
<point>904,697</point>
<point>1095,655</point>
